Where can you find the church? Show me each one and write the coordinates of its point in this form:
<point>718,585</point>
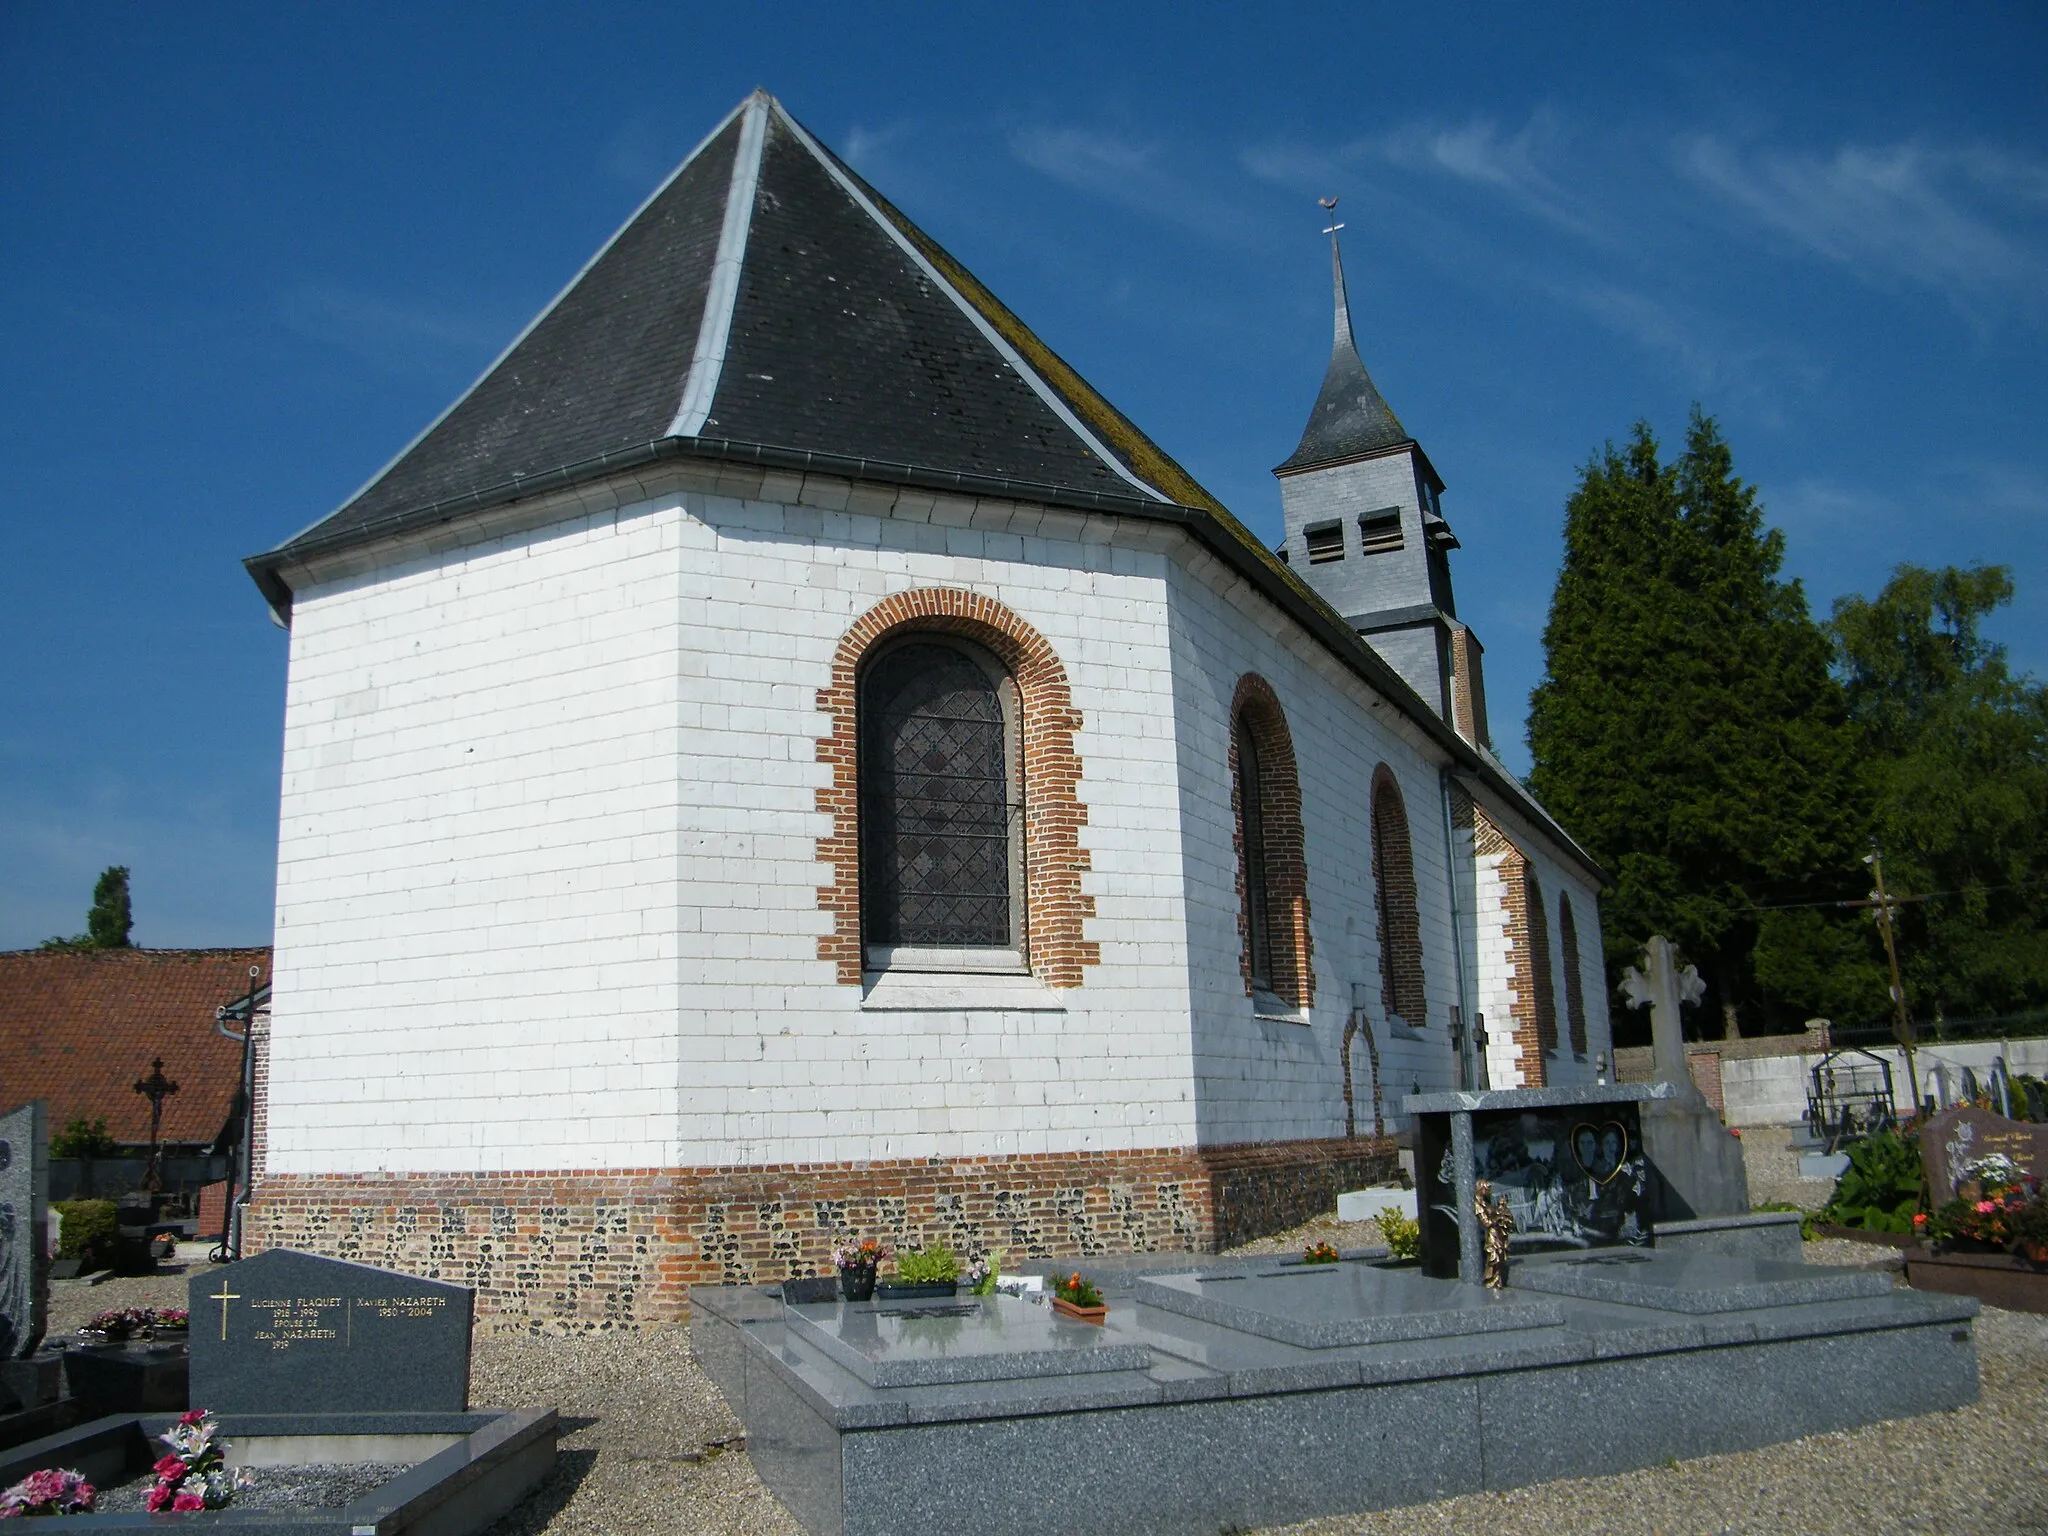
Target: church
<point>781,758</point>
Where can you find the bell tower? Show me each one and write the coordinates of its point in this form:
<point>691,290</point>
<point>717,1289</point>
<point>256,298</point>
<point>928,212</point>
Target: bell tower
<point>1365,528</point>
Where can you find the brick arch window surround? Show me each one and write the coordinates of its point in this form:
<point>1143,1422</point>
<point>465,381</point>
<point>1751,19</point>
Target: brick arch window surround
<point>1054,904</point>
<point>1400,924</point>
<point>1272,869</point>
<point>1574,987</point>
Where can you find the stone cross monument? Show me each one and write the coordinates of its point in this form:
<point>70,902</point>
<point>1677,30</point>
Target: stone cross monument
<point>1662,986</point>
<point>1698,1160</point>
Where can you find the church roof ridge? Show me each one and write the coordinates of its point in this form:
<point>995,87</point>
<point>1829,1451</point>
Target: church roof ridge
<point>1351,418</point>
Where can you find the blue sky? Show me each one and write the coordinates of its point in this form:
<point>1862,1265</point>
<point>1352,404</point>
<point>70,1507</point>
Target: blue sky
<point>247,252</point>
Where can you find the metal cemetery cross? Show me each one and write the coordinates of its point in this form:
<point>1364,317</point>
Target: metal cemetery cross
<point>156,1088</point>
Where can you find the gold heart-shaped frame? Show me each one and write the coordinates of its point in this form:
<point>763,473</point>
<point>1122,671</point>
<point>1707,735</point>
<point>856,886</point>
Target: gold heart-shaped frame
<point>1596,1130</point>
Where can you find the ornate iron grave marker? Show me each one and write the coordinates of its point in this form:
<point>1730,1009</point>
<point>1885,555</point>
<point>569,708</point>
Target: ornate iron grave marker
<point>292,1332</point>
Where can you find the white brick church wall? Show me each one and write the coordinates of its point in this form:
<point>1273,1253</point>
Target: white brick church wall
<point>478,859</point>
<point>548,876</point>
<point>1263,1078</point>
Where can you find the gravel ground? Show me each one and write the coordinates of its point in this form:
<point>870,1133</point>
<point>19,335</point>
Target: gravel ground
<point>316,1485</point>
<point>648,1444</point>
<point>1773,1169</point>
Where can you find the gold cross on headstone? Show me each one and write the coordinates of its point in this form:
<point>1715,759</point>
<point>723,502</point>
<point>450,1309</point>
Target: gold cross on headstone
<point>224,1296</point>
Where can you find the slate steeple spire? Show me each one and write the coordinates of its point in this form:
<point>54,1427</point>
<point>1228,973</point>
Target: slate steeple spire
<point>1350,417</point>
<point>1359,502</point>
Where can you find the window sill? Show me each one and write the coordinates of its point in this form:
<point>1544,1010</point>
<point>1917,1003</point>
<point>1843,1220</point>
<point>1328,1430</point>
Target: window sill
<point>895,959</point>
<point>901,991</point>
<point>1270,1009</point>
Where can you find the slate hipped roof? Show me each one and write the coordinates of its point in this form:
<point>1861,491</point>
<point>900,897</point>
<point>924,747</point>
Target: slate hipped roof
<point>767,307</point>
<point>767,304</point>
<point>1351,419</point>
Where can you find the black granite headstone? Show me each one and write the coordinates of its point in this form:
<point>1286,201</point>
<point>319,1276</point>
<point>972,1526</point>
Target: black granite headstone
<point>293,1332</point>
<point>1572,1173</point>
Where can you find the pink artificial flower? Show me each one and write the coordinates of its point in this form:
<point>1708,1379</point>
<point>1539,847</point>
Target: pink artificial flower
<point>170,1467</point>
<point>187,1501</point>
<point>157,1500</point>
<point>1985,1207</point>
<point>192,1416</point>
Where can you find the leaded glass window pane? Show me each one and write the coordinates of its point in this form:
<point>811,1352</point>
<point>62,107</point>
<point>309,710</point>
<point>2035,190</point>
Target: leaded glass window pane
<point>1251,811</point>
<point>935,807</point>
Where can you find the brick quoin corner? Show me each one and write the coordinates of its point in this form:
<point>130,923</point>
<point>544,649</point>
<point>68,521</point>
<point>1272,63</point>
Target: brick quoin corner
<point>586,1251</point>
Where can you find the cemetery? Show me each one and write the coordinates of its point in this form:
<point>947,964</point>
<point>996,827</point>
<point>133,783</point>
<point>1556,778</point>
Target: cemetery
<point>294,1393</point>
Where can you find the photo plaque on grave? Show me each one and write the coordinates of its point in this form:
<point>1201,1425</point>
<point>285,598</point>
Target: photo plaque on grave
<point>292,1332</point>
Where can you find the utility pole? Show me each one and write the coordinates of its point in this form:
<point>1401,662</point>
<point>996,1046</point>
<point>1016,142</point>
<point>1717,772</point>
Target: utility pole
<point>1902,1025</point>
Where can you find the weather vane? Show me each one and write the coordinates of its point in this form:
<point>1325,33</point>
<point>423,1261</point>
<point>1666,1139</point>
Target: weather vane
<point>1329,206</point>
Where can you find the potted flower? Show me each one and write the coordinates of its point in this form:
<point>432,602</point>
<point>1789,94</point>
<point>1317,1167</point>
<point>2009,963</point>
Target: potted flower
<point>984,1273</point>
<point>1077,1298</point>
<point>857,1263</point>
<point>51,1491</point>
<point>921,1273</point>
<point>2030,1230</point>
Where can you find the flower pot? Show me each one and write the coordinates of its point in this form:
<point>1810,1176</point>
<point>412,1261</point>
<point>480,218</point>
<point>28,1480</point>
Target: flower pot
<point>1067,1308</point>
<point>898,1290</point>
<point>857,1284</point>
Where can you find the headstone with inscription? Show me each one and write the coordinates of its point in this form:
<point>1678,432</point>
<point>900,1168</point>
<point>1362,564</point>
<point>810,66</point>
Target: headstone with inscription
<point>292,1332</point>
<point>24,1227</point>
<point>1957,1139</point>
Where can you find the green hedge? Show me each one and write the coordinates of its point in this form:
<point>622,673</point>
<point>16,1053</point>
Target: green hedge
<point>88,1232</point>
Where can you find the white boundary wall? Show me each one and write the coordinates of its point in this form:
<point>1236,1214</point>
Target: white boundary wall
<point>1771,1090</point>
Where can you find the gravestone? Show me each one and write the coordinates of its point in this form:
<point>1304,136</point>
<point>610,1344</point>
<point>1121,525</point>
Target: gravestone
<point>1956,1138</point>
<point>24,1230</point>
<point>292,1332</point>
<point>1574,1171</point>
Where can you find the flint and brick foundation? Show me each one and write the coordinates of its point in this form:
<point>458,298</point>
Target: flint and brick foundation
<point>586,1251</point>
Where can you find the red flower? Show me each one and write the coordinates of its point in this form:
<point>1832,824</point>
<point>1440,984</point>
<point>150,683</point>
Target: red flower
<point>171,1469</point>
<point>192,1417</point>
<point>157,1500</point>
<point>185,1501</point>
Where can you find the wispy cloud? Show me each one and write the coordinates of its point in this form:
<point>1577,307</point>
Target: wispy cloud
<point>1519,167</point>
<point>1954,221</point>
<point>1138,176</point>
<point>403,337</point>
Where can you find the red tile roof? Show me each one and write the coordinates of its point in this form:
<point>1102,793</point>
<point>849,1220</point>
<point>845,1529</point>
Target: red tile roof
<point>78,1029</point>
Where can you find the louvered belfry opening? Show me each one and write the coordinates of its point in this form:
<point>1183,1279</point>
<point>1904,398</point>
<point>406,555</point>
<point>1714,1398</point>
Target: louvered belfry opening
<point>937,817</point>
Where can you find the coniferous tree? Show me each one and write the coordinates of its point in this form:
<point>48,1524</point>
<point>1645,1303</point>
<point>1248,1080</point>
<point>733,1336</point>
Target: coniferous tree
<point>1688,732</point>
<point>110,920</point>
<point>1955,764</point>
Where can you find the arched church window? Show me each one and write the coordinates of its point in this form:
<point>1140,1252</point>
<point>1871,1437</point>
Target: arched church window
<point>1272,871</point>
<point>1542,984</point>
<point>941,813</point>
<point>1251,842</point>
<point>1400,922</point>
<point>1574,988</point>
